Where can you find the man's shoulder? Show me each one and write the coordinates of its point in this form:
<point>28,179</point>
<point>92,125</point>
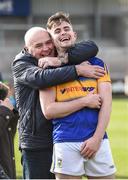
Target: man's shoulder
<point>24,57</point>
<point>21,55</point>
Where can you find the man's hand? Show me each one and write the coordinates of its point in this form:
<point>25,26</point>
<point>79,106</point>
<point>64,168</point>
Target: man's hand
<point>91,71</point>
<point>6,103</point>
<point>49,61</point>
<point>90,147</point>
<point>93,100</point>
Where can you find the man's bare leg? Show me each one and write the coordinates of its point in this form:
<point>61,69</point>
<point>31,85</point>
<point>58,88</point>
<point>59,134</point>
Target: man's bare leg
<point>112,176</point>
<point>64,176</point>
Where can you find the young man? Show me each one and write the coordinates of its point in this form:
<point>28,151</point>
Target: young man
<point>81,145</point>
<point>35,132</point>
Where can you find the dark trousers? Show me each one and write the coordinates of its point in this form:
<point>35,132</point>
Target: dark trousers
<point>36,164</point>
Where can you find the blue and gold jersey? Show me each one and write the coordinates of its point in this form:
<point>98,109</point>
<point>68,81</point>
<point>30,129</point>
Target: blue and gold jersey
<point>82,124</point>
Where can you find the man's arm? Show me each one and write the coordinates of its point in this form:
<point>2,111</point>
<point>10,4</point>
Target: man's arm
<point>82,51</point>
<point>105,91</point>
<point>78,56</point>
<point>91,146</point>
<point>32,76</point>
<point>84,69</point>
<point>52,109</point>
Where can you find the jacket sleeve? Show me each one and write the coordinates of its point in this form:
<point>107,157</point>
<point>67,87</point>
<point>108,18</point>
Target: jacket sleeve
<point>5,116</point>
<point>31,75</point>
<point>82,51</point>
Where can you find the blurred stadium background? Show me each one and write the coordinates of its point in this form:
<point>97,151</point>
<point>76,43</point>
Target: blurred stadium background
<point>103,21</point>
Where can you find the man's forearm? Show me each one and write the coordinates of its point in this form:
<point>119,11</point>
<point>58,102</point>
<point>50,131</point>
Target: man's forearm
<point>38,78</point>
<point>53,109</point>
<point>62,109</point>
<point>53,77</point>
<point>104,114</point>
<point>82,51</point>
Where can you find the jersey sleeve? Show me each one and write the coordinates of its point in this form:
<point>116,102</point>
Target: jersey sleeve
<point>106,77</point>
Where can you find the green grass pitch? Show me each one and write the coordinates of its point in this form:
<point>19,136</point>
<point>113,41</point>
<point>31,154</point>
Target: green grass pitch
<point>118,135</point>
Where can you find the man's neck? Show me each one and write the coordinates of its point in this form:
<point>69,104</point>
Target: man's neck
<point>61,51</point>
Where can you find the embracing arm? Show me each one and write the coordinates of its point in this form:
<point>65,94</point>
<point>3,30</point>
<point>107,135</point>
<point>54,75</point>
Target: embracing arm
<point>26,71</point>
<point>82,51</point>
<point>78,55</point>
<point>52,109</point>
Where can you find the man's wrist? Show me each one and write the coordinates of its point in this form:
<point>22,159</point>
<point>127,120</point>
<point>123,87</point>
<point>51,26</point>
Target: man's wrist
<point>78,70</point>
<point>98,136</point>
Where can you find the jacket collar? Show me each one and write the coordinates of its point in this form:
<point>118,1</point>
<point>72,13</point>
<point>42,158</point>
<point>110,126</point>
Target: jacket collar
<point>25,56</point>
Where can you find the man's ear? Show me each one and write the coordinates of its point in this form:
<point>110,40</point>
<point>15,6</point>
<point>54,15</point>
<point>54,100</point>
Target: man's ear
<point>75,35</point>
<point>25,47</point>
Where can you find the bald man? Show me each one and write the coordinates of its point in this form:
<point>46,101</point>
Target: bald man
<point>35,132</point>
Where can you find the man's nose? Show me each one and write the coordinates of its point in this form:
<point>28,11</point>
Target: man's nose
<point>45,48</point>
<point>63,32</point>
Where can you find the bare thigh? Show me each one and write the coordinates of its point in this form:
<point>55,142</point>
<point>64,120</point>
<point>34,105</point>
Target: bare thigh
<point>112,176</point>
<point>64,176</point>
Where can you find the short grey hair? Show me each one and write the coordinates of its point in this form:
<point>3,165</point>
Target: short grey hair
<point>31,32</point>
